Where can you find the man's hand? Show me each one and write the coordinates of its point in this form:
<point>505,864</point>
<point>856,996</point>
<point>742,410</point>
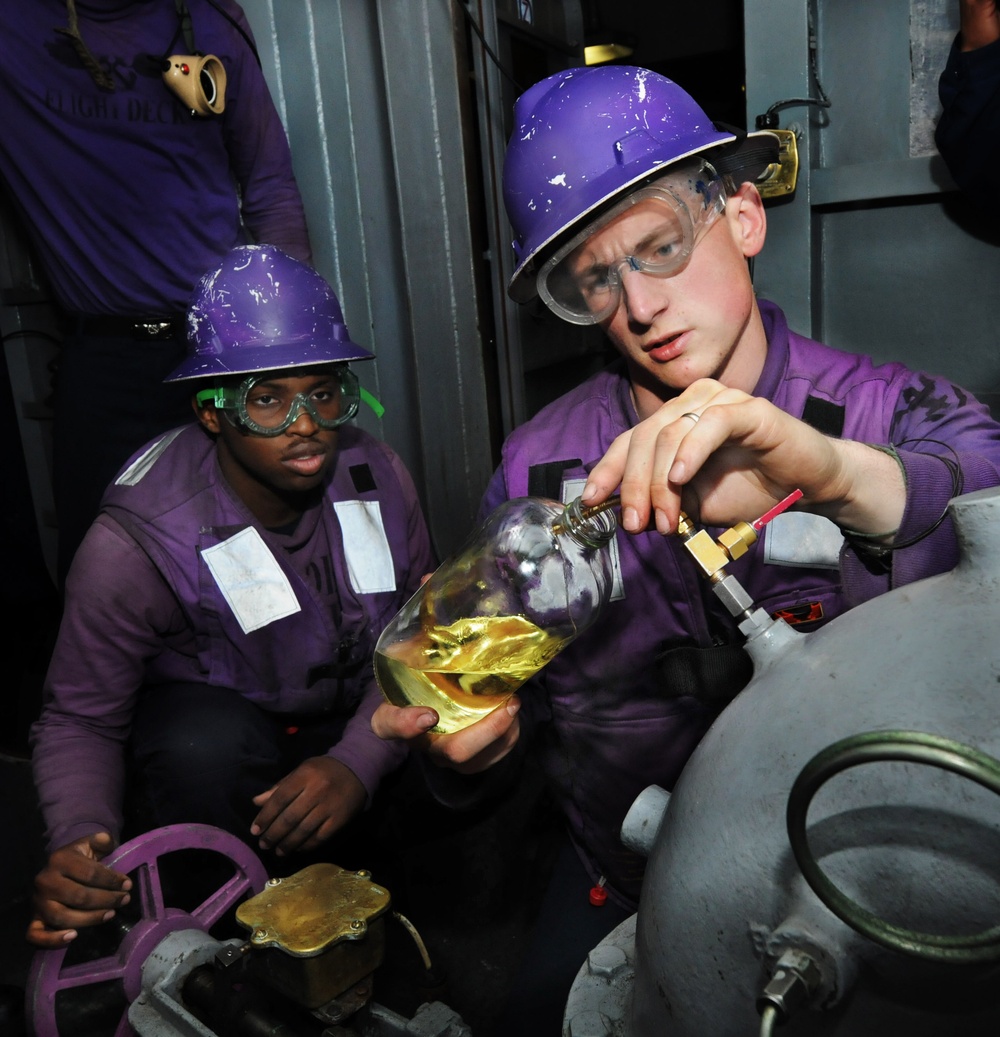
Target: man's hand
<point>305,808</point>
<point>75,890</point>
<point>980,23</point>
<point>740,457</point>
<point>469,751</point>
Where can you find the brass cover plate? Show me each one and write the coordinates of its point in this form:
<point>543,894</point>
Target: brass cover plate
<point>312,910</point>
<point>780,178</point>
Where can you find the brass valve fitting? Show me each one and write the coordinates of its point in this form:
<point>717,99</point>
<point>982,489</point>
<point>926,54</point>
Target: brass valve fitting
<point>711,556</point>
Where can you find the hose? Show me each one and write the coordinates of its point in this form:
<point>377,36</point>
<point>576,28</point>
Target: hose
<point>877,747</point>
<point>417,939</point>
<point>768,1018</point>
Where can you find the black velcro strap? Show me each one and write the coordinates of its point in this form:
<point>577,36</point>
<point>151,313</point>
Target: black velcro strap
<point>545,480</point>
<point>824,416</point>
<point>364,481</point>
<point>338,670</point>
<point>747,157</point>
<point>714,676</point>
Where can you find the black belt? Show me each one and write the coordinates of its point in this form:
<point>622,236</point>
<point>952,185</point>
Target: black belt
<point>143,328</point>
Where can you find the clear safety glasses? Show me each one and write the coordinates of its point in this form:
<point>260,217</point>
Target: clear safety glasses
<point>583,284</point>
<point>264,407</point>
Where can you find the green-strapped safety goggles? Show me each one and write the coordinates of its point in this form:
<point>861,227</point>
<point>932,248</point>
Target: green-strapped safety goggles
<point>262,406</point>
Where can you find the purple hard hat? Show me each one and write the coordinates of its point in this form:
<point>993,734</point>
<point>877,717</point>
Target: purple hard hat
<point>262,310</point>
<point>585,135</point>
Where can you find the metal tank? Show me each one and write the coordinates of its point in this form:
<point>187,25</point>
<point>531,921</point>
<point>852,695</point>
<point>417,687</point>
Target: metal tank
<point>863,756</point>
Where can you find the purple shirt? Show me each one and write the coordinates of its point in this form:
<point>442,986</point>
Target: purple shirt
<point>128,198</point>
<point>614,710</point>
<point>144,606</point>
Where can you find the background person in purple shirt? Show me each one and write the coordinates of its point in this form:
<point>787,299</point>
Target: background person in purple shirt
<point>128,199</point>
<point>631,210</point>
<point>214,662</point>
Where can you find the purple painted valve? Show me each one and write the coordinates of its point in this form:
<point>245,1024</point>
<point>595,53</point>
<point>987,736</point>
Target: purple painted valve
<point>140,859</point>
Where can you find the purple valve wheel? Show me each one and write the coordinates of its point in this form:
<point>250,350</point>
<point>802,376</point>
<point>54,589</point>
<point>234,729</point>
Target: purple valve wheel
<point>141,858</point>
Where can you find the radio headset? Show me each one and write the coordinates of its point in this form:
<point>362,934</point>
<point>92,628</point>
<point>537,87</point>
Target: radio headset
<point>199,80</point>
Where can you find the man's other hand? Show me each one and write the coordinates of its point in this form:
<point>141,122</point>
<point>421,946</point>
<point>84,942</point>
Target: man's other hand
<point>305,808</point>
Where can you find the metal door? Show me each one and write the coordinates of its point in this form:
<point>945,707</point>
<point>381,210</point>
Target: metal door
<point>876,252</point>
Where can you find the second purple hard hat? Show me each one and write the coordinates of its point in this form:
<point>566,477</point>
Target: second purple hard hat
<point>262,310</point>
<point>584,136</point>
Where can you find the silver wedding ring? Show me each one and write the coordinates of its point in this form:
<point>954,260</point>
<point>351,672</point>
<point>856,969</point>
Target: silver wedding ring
<point>691,414</point>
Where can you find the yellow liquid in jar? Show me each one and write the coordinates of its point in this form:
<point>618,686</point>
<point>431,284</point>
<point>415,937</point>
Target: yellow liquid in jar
<point>465,670</point>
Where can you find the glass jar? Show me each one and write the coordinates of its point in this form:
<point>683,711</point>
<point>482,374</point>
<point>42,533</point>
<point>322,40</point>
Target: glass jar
<point>527,582</point>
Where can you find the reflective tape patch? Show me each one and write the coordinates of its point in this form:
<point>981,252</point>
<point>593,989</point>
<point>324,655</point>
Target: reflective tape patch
<point>138,469</point>
<point>798,538</point>
<point>366,547</point>
<point>251,580</point>
<point>571,489</point>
